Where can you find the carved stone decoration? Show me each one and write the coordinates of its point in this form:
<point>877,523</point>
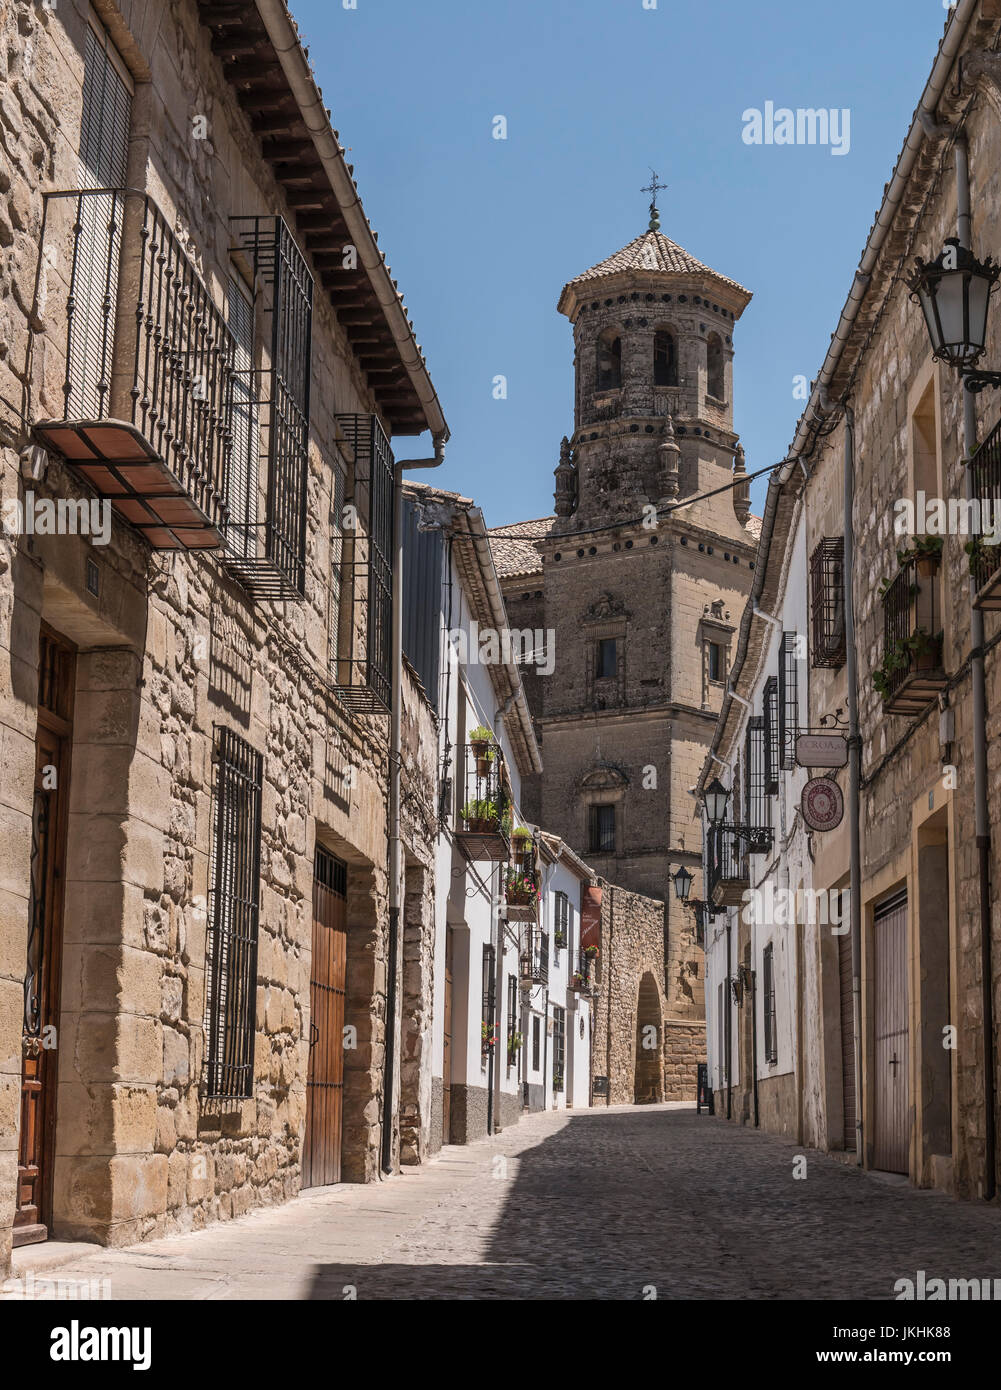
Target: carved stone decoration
<point>605,606</point>
<point>565,496</point>
<point>670,461</point>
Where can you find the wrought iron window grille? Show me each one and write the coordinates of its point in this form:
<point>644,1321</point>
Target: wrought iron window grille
<point>231,987</point>
<point>985,560</point>
<point>757,808</point>
<point>772,746</point>
<point>268,556</point>
<point>364,676</point>
<point>827,602</point>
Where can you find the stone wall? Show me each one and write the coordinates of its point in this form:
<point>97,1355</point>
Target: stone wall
<point>648,1012</point>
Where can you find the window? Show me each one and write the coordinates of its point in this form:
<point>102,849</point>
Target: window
<point>335,616</point>
<point>756,804</point>
<point>609,360</point>
<point>665,365</point>
<point>827,602</point>
<point>771,703</point>
<point>606,665</point>
<point>536,1042</point>
<point>512,1020</point>
<point>487,994</point>
<point>715,377</point>
<point>768,1004</point>
<point>602,829</point>
<point>559,1046</point>
<point>561,925</point>
<point>715,658</point>
<point>231,987</point>
<point>272,561</point>
<point>105,121</point>
<point>788,699</point>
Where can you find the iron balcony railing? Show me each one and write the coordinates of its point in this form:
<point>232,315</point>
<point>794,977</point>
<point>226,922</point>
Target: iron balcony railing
<point>985,560</point>
<point>585,968</point>
<point>535,956</point>
<point>148,380</point>
<point>911,673</point>
<point>728,872</point>
<point>484,824</point>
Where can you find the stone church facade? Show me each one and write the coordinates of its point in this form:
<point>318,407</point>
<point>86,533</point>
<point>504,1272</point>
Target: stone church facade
<point>641,603</point>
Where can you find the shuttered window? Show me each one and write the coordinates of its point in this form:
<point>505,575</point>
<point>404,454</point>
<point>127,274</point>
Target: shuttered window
<point>487,990</point>
<point>512,1019</point>
<point>231,993</point>
<point>104,150</point>
<point>244,461</point>
<point>768,1005</point>
<point>422,566</point>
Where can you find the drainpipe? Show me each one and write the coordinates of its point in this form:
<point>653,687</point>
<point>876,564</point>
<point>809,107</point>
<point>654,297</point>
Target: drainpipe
<point>964,227</point>
<point>394,1001</point>
<point>854,771</point>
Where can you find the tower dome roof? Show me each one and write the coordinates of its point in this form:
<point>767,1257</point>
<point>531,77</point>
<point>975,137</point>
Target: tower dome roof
<point>654,252</point>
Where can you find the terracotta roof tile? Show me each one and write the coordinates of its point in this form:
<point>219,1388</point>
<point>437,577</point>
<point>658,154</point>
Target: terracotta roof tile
<point>654,251</point>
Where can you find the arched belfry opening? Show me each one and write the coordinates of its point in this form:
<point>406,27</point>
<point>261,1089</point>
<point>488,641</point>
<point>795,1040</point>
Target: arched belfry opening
<point>649,1082</point>
<point>609,360</point>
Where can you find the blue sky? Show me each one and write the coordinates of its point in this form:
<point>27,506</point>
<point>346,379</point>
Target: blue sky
<point>482,233</point>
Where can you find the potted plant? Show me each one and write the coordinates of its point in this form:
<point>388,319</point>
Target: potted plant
<point>480,816</point>
<point>984,559</point>
<point>480,741</point>
<point>521,889</point>
<point>924,650</point>
<point>557,1081</point>
<point>926,552</point>
<point>591,952</point>
<point>487,1038</point>
<point>577,980</point>
<point>514,1043</point>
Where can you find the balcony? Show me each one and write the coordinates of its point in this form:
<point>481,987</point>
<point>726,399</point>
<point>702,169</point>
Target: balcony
<point>728,873</point>
<point>149,360</point>
<point>911,672</point>
<point>485,817</point>
<point>535,957</point>
<point>985,560</point>
<point>585,966</point>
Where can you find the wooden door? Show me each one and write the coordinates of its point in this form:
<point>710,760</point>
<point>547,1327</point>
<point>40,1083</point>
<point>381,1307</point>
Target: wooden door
<point>321,1153</point>
<point>446,1065</point>
<point>39,1048</point>
<point>847,1040</point>
<point>891,1134</point>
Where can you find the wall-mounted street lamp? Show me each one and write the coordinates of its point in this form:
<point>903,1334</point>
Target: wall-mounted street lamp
<point>683,881</point>
<point>954,292</point>
<point>715,798</point>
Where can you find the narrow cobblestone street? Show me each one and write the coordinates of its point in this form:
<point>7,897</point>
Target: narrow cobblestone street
<point>595,1205</point>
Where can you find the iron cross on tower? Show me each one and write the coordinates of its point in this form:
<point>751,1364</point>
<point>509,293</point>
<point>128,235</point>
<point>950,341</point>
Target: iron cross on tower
<point>653,188</point>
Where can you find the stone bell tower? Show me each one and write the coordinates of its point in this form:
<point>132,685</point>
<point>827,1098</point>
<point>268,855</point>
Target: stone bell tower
<point>644,608</point>
<point>642,605</point>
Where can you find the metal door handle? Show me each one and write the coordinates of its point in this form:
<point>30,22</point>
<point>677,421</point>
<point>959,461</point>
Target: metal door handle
<point>314,1036</point>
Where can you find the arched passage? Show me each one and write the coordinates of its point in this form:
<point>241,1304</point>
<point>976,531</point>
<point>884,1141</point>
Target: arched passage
<point>649,1082</point>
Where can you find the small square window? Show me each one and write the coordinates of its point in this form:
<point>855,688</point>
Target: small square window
<point>607,664</point>
<point>715,661</point>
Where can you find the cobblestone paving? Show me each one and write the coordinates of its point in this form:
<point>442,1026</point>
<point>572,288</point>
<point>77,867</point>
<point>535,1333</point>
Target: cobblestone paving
<point>600,1204</point>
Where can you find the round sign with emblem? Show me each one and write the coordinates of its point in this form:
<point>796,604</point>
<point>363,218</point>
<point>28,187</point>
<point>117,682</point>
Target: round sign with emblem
<point>823,804</point>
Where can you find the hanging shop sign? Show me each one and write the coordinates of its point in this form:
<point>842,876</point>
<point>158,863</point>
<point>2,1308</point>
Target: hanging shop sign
<point>823,804</point>
<point>822,750</point>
